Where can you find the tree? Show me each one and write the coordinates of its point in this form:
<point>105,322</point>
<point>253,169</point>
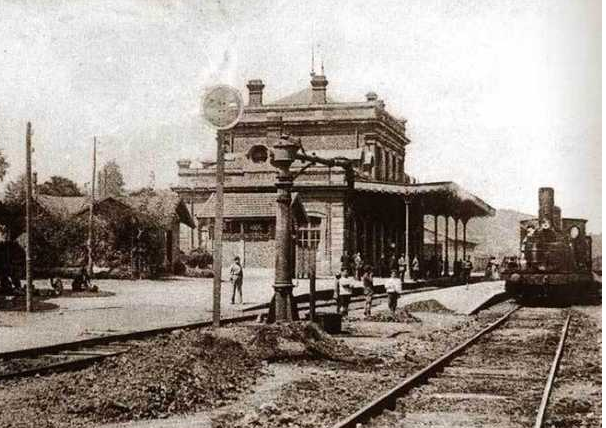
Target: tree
<point>110,181</point>
<point>15,191</point>
<point>59,186</point>
<point>3,165</point>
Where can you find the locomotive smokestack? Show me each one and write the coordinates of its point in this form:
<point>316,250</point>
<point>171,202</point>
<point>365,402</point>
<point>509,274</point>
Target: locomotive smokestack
<point>557,218</point>
<point>546,204</point>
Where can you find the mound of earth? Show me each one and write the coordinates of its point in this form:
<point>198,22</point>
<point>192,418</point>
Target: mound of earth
<point>430,305</point>
<point>177,373</point>
<point>172,374</point>
<point>290,340</point>
<point>401,315</point>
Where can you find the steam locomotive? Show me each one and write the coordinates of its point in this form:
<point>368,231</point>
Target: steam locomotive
<point>555,256</point>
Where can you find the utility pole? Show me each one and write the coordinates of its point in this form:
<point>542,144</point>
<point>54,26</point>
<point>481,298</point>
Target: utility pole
<point>28,219</point>
<point>218,233</point>
<point>90,213</point>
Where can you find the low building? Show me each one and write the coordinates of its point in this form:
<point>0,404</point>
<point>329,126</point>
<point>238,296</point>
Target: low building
<point>375,214</point>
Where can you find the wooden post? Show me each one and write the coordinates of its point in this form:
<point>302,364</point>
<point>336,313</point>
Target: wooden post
<point>218,233</point>
<point>28,219</point>
<point>90,214</point>
<point>312,286</point>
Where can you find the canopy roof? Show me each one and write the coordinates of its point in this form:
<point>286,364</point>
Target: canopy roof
<point>440,198</point>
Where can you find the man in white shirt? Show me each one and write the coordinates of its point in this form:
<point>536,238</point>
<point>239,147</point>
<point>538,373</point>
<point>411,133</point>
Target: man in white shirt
<point>393,287</point>
<point>345,285</point>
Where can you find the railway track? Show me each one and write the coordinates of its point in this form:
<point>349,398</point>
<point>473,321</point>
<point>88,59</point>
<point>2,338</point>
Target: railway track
<point>75,355</point>
<point>501,377</point>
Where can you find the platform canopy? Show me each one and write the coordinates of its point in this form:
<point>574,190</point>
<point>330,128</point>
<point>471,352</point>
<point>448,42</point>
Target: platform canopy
<point>439,198</point>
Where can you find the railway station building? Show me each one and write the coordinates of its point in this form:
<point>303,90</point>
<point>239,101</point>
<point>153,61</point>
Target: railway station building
<point>369,217</point>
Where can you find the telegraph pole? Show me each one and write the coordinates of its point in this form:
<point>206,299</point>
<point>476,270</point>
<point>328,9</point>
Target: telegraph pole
<point>90,213</point>
<point>218,233</point>
<point>28,219</point>
<point>222,107</point>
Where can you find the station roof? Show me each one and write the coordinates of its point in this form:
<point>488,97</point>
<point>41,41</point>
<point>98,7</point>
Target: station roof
<point>439,198</point>
<point>250,205</point>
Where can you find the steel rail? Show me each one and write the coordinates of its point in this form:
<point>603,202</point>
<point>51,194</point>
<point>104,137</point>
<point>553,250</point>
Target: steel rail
<point>119,337</point>
<point>388,399</point>
<point>68,365</point>
<point>552,373</point>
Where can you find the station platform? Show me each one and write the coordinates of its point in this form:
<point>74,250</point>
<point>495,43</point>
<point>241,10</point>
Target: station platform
<point>145,304</point>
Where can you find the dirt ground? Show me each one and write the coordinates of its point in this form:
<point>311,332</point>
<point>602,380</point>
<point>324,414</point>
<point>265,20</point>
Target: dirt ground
<point>576,399</point>
<point>275,376</point>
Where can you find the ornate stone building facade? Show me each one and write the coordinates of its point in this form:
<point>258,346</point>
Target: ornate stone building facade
<point>369,216</point>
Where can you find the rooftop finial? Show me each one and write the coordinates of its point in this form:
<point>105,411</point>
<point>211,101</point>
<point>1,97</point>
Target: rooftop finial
<point>322,66</point>
<point>313,71</point>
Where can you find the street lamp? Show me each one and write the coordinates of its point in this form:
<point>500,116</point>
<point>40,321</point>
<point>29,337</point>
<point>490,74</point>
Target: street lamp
<point>283,156</point>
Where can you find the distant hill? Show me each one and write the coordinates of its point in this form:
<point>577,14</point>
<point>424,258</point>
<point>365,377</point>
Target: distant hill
<point>596,251</point>
<point>499,235</point>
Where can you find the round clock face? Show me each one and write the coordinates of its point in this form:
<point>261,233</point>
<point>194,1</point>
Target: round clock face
<point>574,232</point>
<point>222,106</point>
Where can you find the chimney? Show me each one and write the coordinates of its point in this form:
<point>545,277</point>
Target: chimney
<point>557,218</point>
<point>546,205</point>
<point>371,96</point>
<point>183,163</point>
<point>318,89</point>
<point>255,92</point>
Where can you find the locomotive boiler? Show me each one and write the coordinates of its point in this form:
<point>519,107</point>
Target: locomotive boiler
<point>555,256</point>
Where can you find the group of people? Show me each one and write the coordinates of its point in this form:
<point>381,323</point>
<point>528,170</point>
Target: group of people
<point>344,283</point>
<point>492,271</point>
<point>356,266</point>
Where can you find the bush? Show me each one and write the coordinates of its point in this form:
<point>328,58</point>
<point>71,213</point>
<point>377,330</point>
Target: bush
<point>179,268</point>
<point>197,258</point>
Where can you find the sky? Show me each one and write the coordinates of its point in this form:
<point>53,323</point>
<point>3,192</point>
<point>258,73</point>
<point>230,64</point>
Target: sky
<point>501,97</point>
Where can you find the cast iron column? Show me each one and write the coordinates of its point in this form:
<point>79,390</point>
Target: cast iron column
<point>283,157</point>
<point>283,281</point>
<point>407,276</point>
<point>446,267</point>
<point>456,240</point>
<point>464,239</point>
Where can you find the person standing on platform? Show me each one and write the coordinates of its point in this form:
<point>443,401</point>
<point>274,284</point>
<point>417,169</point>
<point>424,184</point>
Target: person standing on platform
<point>415,268</point>
<point>358,266</point>
<point>337,292</point>
<point>368,289</point>
<point>467,268</point>
<point>393,287</point>
<point>345,291</point>
<point>401,267</point>
<point>236,277</point>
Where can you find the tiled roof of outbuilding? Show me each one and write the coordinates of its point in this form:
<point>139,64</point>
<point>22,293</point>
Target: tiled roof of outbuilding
<point>248,205</point>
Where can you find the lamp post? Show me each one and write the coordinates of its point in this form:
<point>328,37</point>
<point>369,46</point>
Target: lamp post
<point>283,156</point>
